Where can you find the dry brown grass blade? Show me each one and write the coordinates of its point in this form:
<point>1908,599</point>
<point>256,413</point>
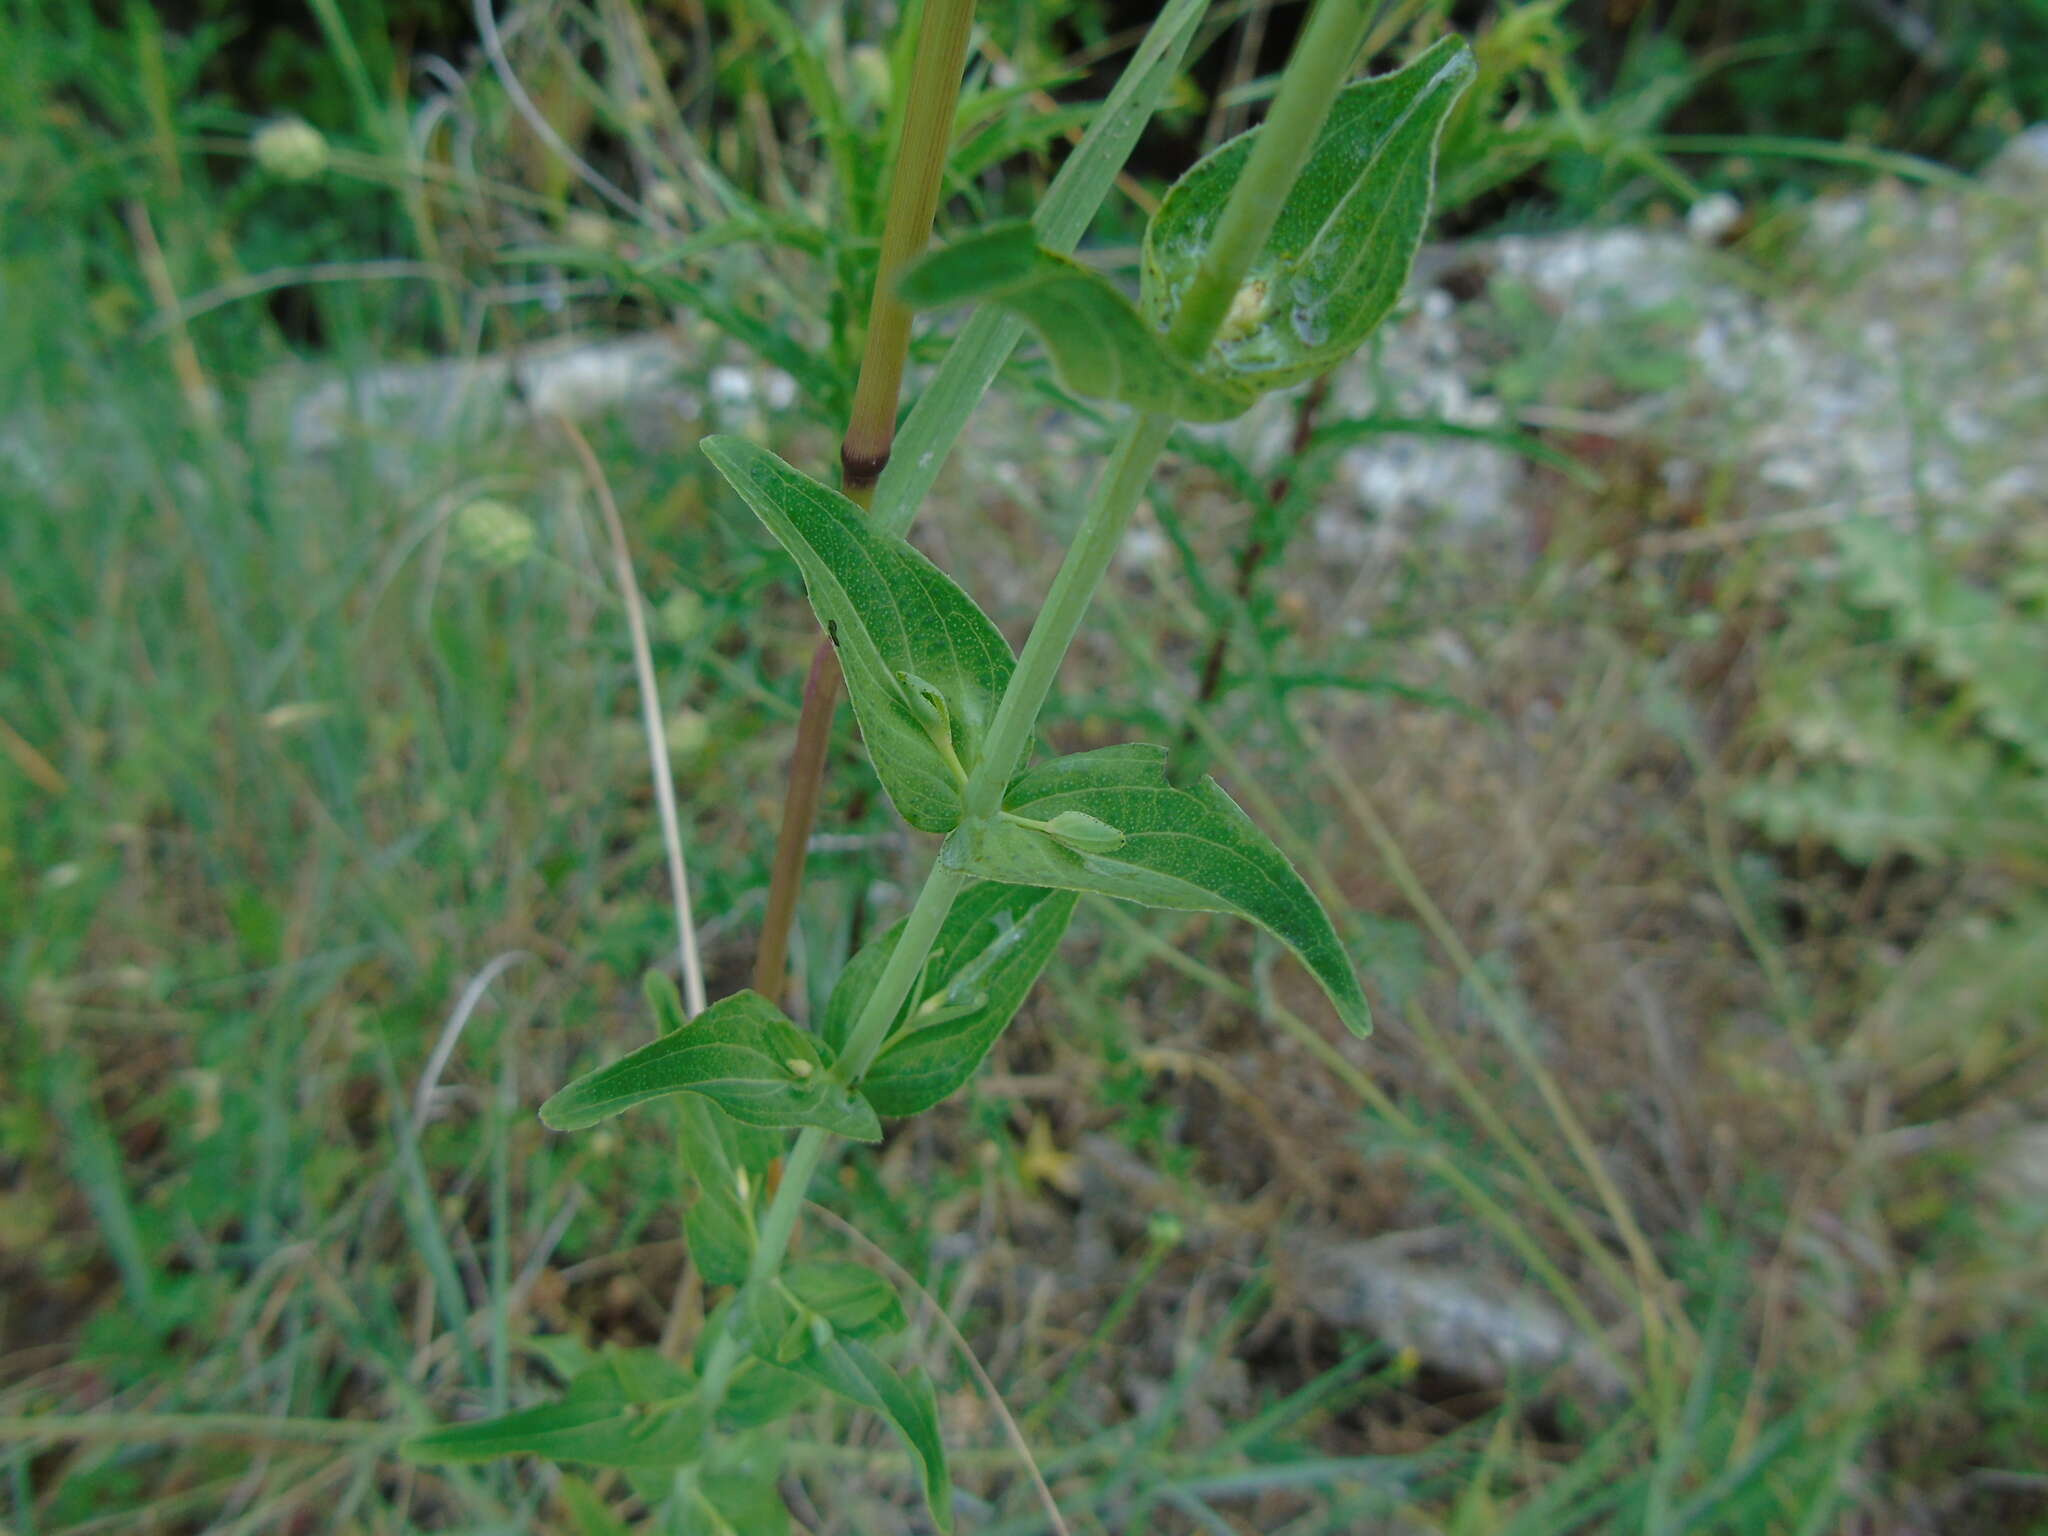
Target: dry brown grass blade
<point>35,767</point>
<point>156,271</point>
<point>650,719</point>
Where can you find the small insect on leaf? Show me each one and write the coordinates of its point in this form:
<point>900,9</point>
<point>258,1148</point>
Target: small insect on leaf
<point>1089,834</point>
<point>910,641</point>
<point>743,1055</point>
<point>1189,849</point>
<point>1340,251</point>
<point>1099,343</point>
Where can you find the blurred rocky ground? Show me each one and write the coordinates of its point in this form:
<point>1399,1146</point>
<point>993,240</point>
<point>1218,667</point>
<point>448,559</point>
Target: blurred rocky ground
<point>1874,353</point>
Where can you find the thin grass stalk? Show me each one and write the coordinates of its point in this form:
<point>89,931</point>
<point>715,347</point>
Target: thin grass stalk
<point>1011,1430</point>
<point>692,964</point>
<point>1510,1228</point>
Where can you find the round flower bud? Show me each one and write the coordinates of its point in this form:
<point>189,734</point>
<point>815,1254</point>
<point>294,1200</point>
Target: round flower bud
<point>588,231</point>
<point>291,149</point>
<point>680,618</point>
<point>869,67</point>
<point>494,534</point>
<point>688,732</point>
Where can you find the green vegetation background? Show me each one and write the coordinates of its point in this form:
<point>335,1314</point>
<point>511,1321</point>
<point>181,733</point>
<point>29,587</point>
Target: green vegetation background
<point>298,745</point>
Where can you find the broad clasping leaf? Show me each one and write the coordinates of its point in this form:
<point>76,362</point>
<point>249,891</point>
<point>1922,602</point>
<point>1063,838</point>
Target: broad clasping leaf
<point>1341,248</point>
<point>1099,343</point>
<point>1189,849</point>
<point>632,1409</point>
<point>743,1055</point>
<point>904,629</point>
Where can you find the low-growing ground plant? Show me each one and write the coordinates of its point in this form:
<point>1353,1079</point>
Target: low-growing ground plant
<point>1909,691</point>
<point>1268,262</point>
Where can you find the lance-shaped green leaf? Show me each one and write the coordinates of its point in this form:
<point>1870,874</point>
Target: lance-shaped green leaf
<point>989,951</point>
<point>851,1297</point>
<point>743,1055</point>
<point>850,1369</point>
<point>1346,236</point>
<point>1189,849</point>
<point>736,1491</point>
<point>760,1391</point>
<point>632,1409</point>
<point>905,632</point>
<point>1100,344</point>
<point>733,1504</point>
<point>587,1509</point>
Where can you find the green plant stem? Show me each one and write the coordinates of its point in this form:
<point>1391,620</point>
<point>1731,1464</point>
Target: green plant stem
<point>1316,71</point>
<point>977,355</point>
<point>1116,496</point>
<point>778,1222</point>
<point>1304,100</point>
<point>934,423</point>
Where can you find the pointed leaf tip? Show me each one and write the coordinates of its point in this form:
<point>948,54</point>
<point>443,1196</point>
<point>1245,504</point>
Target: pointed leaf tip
<point>743,1055</point>
<point>1191,849</point>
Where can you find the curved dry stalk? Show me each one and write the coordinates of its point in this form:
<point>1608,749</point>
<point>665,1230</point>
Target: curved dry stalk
<point>535,119</point>
<point>1011,1429</point>
<point>451,1032</point>
<point>650,719</point>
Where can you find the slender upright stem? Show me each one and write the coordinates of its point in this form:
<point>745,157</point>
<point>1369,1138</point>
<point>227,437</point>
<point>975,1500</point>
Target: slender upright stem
<point>1318,68</point>
<point>1122,482</point>
<point>906,230</point>
<point>799,814</point>
<point>864,452</point>
<point>1117,491</point>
